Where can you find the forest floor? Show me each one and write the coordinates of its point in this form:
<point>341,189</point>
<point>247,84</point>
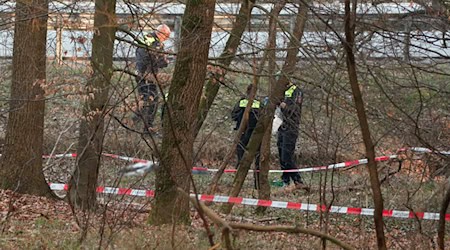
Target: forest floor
<point>121,222</point>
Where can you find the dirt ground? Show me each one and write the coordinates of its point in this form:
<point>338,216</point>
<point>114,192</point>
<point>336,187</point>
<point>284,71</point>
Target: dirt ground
<point>29,222</point>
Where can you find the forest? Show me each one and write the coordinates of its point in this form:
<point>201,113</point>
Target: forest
<point>164,124</point>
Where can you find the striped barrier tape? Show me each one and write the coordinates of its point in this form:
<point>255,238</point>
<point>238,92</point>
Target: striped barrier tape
<point>311,169</point>
<point>71,155</point>
<point>203,169</point>
<point>352,163</point>
<point>427,150</point>
<point>126,158</point>
<point>74,155</point>
<point>269,203</point>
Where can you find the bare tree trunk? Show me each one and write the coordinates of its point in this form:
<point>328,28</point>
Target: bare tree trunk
<point>83,184</point>
<point>359,104</point>
<point>21,163</point>
<point>264,185</point>
<point>407,40</point>
<point>267,116</point>
<point>215,180</point>
<point>180,124</point>
<point>212,87</point>
<point>441,228</point>
<point>227,56</point>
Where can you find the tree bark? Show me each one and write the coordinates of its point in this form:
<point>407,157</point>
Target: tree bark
<point>267,116</point>
<point>441,228</point>
<point>213,185</point>
<point>21,163</point>
<point>180,125</point>
<point>227,56</point>
<point>83,184</point>
<point>264,185</point>
<point>362,117</point>
<point>242,127</point>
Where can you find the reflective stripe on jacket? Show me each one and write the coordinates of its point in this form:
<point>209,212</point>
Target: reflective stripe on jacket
<point>255,105</point>
<point>149,40</point>
<point>150,61</point>
<point>288,93</point>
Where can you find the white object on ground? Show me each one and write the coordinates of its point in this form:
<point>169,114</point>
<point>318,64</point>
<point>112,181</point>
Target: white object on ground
<point>140,168</point>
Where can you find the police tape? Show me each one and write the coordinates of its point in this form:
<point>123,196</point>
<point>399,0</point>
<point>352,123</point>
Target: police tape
<point>203,169</point>
<point>269,203</point>
<point>74,155</point>
<point>311,169</point>
<point>427,150</point>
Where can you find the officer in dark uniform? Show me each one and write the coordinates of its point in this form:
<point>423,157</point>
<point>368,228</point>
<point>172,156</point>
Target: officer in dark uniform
<point>291,108</point>
<point>148,64</point>
<point>237,116</point>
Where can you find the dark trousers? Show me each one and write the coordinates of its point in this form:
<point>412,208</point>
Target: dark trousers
<point>148,92</point>
<point>286,149</point>
<point>240,149</point>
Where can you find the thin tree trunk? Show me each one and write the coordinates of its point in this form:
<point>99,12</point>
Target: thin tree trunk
<point>264,185</point>
<point>359,104</point>
<point>407,40</point>
<point>215,181</point>
<point>180,125</point>
<point>21,163</point>
<point>242,127</point>
<point>212,87</point>
<point>83,184</point>
<point>267,116</point>
<point>442,5</point>
<point>227,56</point>
<point>441,228</point>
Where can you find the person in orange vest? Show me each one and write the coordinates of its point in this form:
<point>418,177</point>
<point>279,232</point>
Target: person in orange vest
<point>149,61</point>
<point>237,115</point>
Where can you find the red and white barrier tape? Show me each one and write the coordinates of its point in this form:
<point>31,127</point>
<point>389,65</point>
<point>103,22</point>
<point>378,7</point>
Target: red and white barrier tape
<point>126,158</point>
<point>332,166</point>
<point>269,203</point>
<point>73,155</point>
<point>427,150</point>
<point>311,169</point>
<point>201,169</point>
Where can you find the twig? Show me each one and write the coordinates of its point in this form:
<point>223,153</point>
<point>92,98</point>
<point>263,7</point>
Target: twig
<point>57,141</point>
<point>228,227</point>
<point>238,218</point>
<point>216,246</point>
<point>226,238</point>
<point>268,219</point>
<point>209,212</point>
<point>290,229</point>
<point>53,151</point>
<point>392,173</point>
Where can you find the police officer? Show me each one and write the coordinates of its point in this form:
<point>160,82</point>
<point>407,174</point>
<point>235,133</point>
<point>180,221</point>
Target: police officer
<point>237,115</point>
<point>291,108</point>
<point>148,63</point>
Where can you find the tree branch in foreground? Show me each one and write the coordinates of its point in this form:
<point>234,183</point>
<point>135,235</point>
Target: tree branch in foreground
<point>227,227</point>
